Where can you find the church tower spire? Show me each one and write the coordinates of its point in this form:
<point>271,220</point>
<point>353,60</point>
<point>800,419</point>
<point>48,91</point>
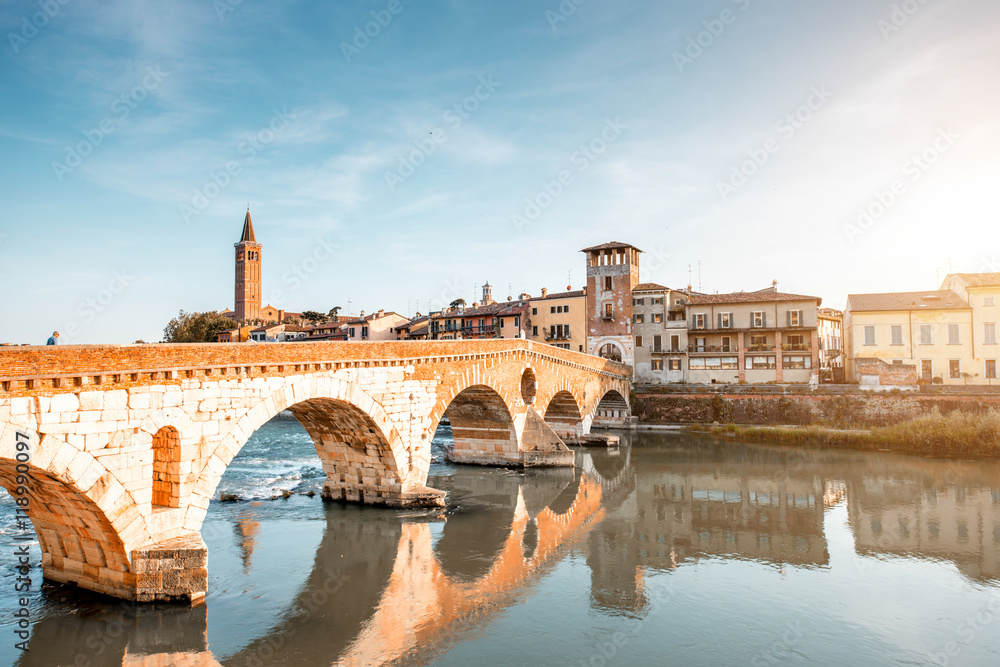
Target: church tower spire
<point>248,273</point>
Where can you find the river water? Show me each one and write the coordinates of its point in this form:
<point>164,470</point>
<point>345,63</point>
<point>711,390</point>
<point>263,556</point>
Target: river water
<point>672,549</point>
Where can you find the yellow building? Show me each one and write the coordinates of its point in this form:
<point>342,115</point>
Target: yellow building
<point>982,292</point>
<point>906,337</point>
<point>560,319</point>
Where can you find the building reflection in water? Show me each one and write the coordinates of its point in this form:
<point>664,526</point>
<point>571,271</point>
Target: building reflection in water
<point>404,586</point>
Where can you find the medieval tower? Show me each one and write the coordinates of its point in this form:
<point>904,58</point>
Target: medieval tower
<point>612,273</point>
<point>247,274</point>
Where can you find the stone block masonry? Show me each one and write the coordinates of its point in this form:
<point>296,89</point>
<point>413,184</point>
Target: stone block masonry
<point>128,443</point>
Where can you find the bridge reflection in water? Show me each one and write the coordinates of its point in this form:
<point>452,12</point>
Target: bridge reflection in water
<point>407,586</point>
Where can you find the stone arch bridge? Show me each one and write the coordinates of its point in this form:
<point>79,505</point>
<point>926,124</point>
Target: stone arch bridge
<point>114,452</point>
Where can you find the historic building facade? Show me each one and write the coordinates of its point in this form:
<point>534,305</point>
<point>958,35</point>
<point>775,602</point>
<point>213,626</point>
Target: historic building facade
<point>612,274</point>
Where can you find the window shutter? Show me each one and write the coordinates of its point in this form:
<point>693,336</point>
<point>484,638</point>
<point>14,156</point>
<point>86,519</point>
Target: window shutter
<point>732,320</point>
<point>788,318</point>
<point>763,319</point>
<point>720,320</point>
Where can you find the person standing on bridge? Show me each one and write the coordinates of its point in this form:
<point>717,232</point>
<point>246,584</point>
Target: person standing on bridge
<point>53,339</point>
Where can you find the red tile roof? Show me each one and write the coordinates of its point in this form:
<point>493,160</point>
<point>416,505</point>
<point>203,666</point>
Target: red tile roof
<point>609,246</point>
<point>934,300</point>
<point>650,287</point>
<point>980,279</point>
<point>248,235</point>
<point>748,297</point>
<point>562,295</point>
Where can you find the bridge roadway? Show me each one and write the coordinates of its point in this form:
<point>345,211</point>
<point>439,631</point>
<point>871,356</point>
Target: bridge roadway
<point>114,452</point>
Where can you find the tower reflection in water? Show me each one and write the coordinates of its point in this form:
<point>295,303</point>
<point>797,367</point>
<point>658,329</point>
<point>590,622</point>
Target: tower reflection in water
<point>402,586</point>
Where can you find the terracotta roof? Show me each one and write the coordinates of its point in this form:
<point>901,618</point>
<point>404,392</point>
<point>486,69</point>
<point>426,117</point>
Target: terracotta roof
<point>650,287</point>
<point>412,323</point>
<point>248,235</point>
<point>609,246</point>
<point>748,297</point>
<point>373,316</point>
<point>562,295</point>
<point>939,300</point>
<point>980,279</point>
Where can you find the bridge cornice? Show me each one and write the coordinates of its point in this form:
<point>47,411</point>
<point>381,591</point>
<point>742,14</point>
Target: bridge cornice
<point>47,369</point>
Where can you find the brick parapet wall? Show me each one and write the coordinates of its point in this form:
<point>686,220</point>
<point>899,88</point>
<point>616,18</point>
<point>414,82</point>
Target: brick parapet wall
<point>26,370</point>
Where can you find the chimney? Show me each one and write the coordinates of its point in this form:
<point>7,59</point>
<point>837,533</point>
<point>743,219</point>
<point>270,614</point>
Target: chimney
<point>381,312</point>
<point>362,315</point>
<point>281,316</point>
<point>545,292</point>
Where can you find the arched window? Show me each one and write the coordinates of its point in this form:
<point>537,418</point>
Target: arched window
<point>610,351</point>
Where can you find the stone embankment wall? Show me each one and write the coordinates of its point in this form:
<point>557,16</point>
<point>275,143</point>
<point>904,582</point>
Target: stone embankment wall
<point>767,406</point>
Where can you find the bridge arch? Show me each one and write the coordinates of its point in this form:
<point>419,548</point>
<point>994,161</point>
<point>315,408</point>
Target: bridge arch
<point>564,415</point>
<point>70,501</point>
<point>352,433</point>
<point>482,427</point>
<point>611,410</point>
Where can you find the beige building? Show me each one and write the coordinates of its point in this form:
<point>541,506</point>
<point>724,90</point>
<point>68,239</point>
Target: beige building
<point>920,335</point>
<point>377,326</point>
<point>831,344</point>
<point>560,319</point>
<point>753,337</point>
<point>659,323</point>
<point>982,292</point>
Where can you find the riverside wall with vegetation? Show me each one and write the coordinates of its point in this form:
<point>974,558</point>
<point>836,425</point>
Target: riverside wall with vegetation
<point>839,407</point>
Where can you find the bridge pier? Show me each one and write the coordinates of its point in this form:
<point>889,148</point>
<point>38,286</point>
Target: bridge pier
<point>172,570</point>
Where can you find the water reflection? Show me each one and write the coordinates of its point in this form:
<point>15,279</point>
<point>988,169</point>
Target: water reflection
<point>390,586</point>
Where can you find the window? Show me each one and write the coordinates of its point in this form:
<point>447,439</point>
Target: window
<point>870,334</point>
<point>638,302</point>
<point>896,334</point>
<point>988,301</point>
<point>637,318</point>
<point>758,319</point>
<point>762,363</point>
<point>725,320</point>
<point>608,283</point>
<point>727,344</point>
<point>953,337</point>
<point>517,321</point>
<point>534,331</point>
<point>699,320</point>
<point>990,333</point>
<point>565,309</point>
<point>609,311</point>
<point>796,361</point>
<point>657,364</point>
<point>352,332</point>
<point>502,322</point>
<point>657,318</point>
<point>991,368</point>
<point>364,332</point>
<point>926,334</point>
<point>675,343</point>
<point>795,318</point>
<point>954,368</point>
<point>534,311</point>
<point>638,341</point>
<point>758,342</point>
<point>674,364</point>
<point>657,301</point>
<point>552,309</point>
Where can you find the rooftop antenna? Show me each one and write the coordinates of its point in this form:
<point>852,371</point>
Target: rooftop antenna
<point>348,305</point>
<point>569,278</point>
<point>699,275</point>
<point>510,290</point>
<point>689,273</point>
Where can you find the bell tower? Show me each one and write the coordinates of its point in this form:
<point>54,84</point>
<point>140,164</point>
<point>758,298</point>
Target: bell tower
<point>612,274</point>
<point>247,274</point>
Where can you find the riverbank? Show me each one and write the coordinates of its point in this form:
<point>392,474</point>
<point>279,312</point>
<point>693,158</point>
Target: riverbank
<point>955,434</point>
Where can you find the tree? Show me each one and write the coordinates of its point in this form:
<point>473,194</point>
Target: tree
<point>197,327</point>
<point>312,316</point>
<point>334,312</point>
<point>457,303</point>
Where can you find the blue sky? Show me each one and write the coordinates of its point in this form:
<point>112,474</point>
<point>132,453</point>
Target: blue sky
<point>134,134</point>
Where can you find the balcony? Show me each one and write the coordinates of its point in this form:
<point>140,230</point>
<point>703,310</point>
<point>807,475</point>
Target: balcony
<point>760,348</point>
<point>728,349</point>
<point>796,347</point>
<point>608,316</point>
<point>667,350</point>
